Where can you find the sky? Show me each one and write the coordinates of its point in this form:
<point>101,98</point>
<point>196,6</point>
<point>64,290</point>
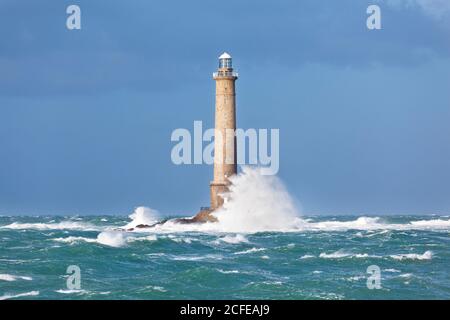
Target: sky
<point>86,115</point>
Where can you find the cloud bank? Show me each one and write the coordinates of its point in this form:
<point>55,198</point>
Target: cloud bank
<point>438,9</point>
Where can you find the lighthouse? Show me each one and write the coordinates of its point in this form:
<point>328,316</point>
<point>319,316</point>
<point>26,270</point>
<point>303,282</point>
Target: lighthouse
<point>225,149</point>
<point>225,157</point>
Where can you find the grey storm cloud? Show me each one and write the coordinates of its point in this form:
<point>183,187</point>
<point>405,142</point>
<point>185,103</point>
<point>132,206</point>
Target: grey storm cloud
<point>137,45</point>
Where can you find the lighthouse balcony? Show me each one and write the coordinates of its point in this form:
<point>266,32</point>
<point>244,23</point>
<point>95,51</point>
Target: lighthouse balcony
<point>225,74</point>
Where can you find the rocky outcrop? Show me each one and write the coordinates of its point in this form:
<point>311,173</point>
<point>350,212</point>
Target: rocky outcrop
<point>203,216</point>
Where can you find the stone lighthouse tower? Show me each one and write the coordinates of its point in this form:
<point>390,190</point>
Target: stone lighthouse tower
<point>225,158</point>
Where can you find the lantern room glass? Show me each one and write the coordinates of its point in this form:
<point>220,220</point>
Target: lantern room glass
<point>225,63</point>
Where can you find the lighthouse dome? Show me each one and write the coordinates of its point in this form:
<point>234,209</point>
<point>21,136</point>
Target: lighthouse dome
<point>225,55</point>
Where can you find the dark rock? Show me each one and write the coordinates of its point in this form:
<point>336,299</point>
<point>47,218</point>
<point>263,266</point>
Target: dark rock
<point>202,217</point>
<point>141,226</point>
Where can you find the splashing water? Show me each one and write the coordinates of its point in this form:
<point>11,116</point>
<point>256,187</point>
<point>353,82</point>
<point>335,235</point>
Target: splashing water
<point>112,238</point>
<point>260,203</point>
<point>142,216</point>
<point>255,203</point>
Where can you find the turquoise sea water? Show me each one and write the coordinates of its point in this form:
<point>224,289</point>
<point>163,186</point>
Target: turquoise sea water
<point>325,259</point>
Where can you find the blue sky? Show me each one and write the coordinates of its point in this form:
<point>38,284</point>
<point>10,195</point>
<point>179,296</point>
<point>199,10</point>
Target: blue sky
<point>86,116</point>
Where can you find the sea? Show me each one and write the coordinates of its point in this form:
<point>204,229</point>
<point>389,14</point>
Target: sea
<point>314,257</point>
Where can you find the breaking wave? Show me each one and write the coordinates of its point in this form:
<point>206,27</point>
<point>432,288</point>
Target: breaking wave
<point>108,238</point>
<point>73,239</point>
<point>9,277</point>
<point>260,203</point>
<point>239,238</point>
<point>257,202</point>
<point>26,294</point>
<point>64,225</point>
<point>112,238</point>
<point>298,224</point>
<point>252,250</point>
<point>228,271</point>
<point>68,291</point>
<point>427,255</point>
<point>142,216</point>
<point>342,254</point>
<point>372,224</point>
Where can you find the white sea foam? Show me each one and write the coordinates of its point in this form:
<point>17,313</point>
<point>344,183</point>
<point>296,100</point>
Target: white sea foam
<point>188,258</point>
<point>431,224</point>
<point>257,203</point>
<point>376,223</point>
<point>63,225</point>
<point>307,256</point>
<point>183,240</point>
<point>373,233</point>
<point>361,223</point>
<point>73,291</point>
<point>342,254</point>
<point>108,238</point>
<point>73,239</point>
<point>157,288</point>
<point>14,261</point>
<point>391,270</point>
<point>112,238</point>
<point>176,239</point>
<point>356,278</point>
<point>335,255</point>
<point>277,283</point>
<point>301,225</point>
<point>427,255</point>
<point>26,294</point>
<point>405,275</point>
<point>151,237</point>
<point>228,271</point>
<point>252,250</point>
<point>238,238</point>
<point>197,258</point>
<point>10,277</point>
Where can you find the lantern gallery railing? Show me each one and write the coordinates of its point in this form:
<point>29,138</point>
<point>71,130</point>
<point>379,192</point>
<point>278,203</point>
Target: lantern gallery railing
<point>225,74</point>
